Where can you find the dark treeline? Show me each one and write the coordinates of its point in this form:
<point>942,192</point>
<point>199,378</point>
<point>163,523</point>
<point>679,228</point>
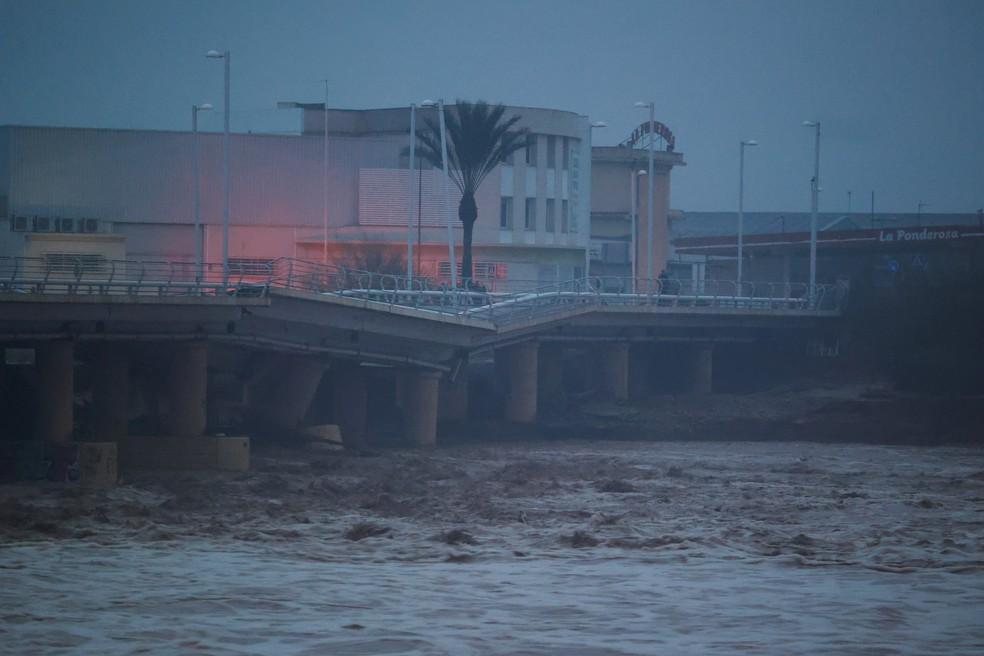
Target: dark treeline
<point>926,331</point>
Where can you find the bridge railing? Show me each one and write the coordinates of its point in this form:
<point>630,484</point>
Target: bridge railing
<point>74,274</point>
<point>83,274</point>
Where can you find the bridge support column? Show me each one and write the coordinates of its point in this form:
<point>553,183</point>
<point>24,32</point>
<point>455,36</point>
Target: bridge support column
<point>640,360</point>
<point>520,368</point>
<point>350,402</point>
<point>111,393</point>
<point>615,371</point>
<point>291,388</point>
<point>56,374</point>
<point>550,377</point>
<point>187,390</point>
<point>453,401</point>
<point>699,374</point>
<point>420,390</point>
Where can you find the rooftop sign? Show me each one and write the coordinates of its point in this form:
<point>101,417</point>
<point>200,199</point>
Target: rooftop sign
<point>660,131</point>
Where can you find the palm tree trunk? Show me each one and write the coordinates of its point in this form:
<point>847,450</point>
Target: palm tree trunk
<point>467,214</point>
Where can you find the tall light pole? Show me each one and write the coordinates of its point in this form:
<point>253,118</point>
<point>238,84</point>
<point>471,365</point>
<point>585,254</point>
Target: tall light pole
<point>596,125</point>
<point>215,54</point>
<point>444,186</point>
<point>919,208</point>
<point>410,199</point>
<point>634,192</point>
<point>815,201</point>
<point>849,194</point>
<point>741,206</point>
<point>324,186</point>
<point>649,185</point>
<point>204,107</point>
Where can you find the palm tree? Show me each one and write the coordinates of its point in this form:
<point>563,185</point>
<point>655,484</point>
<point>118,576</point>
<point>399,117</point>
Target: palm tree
<point>478,141</point>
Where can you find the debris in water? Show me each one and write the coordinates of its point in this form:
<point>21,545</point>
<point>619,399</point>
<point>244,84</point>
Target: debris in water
<point>459,558</point>
<point>457,536</point>
<point>579,540</point>
<point>364,530</point>
<point>615,485</point>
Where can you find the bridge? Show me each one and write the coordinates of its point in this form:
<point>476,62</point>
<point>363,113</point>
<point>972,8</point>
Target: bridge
<point>182,329</point>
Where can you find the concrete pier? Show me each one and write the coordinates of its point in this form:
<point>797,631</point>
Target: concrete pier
<point>550,377</point>
<point>519,365</point>
<point>350,401</point>
<point>187,389</point>
<point>110,392</point>
<point>640,360</point>
<point>699,374</point>
<point>420,401</point>
<point>56,386</point>
<point>453,401</point>
<point>614,371</point>
<point>288,390</point>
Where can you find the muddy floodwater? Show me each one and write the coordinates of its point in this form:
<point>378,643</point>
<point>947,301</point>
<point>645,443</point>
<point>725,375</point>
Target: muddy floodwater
<point>547,548</point>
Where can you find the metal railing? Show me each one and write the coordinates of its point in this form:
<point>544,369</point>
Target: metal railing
<point>74,275</point>
<point>66,275</point>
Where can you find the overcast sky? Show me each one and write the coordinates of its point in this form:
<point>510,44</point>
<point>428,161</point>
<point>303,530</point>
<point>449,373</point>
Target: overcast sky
<point>898,85</point>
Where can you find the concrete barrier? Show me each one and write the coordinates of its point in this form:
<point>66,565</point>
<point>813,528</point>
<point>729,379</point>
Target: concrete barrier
<point>97,464</point>
<point>195,452</point>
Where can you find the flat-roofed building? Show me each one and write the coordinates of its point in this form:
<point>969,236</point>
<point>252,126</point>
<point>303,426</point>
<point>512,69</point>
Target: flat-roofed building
<point>129,194</point>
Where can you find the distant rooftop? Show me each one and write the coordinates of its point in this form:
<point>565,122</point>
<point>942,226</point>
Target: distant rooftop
<point>712,224</point>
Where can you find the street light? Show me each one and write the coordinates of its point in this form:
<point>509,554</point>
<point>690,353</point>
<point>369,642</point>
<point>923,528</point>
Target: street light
<point>815,200</point>
<point>204,107</point>
<point>596,125</point>
<point>741,206</point>
<point>919,208</point>
<point>634,193</point>
<point>649,184</point>
<point>410,203</point>
<point>444,185</point>
<point>215,54</point>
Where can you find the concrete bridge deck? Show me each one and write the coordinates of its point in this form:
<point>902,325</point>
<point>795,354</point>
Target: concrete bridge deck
<point>317,314</point>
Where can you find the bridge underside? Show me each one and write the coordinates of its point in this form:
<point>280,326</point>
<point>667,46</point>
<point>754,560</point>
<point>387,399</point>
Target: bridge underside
<point>185,365</point>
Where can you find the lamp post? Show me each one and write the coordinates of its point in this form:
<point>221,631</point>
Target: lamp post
<point>324,186</point>
<point>444,186</point>
<point>815,201</point>
<point>204,107</point>
<point>413,144</point>
<point>634,192</point>
<point>649,185</point>
<point>215,54</point>
<point>741,206</point>
<point>919,208</point>
<point>595,125</point>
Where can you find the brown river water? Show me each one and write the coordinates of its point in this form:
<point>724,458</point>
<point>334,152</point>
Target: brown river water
<point>541,548</point>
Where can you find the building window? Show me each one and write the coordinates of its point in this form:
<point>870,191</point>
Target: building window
<point>551,152</point>
<point>549,222</point>
<point>531,150</point>
<point>566,155</point>
<point>506,213</point>
<point>74,263</point>
<point>565,221</point>
<point>530,214</point>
